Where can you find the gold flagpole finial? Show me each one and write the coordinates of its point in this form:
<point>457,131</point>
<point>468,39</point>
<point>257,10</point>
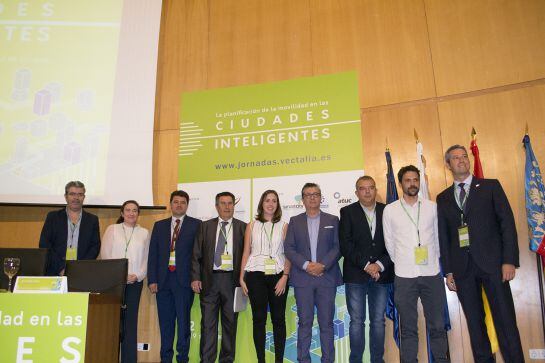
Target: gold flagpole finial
<point>473,134</point>
<point>387,147</point>
<point>415,135</point>
<point>526,131</point>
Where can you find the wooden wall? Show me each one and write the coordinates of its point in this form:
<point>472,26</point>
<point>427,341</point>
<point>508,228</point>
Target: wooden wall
<point>440,67</point>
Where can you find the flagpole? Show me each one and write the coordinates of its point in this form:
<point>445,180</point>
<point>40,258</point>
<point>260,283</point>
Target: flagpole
<point>539,261</point>
<point>533,177</point>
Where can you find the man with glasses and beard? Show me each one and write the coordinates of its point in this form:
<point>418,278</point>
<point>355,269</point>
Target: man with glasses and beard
<point>412,240</point>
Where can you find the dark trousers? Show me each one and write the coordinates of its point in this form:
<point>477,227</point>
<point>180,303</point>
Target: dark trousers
<point>357,296</point>
<point>323,298</point>
<point>431,291</point>
<point>174,306</point>
<point>215,301</point>
<point>261,294</point>
<point>130,322</point>
<point>503,312</point>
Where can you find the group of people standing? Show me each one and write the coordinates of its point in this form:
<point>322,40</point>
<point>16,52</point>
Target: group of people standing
<point>468,237</point>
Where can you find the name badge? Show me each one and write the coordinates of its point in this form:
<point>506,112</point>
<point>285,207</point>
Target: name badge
<point>172,258</point>
<point>270,266</point>
<point>71,254</point>
<point>421,255</point>
<point>226,262</point>
<point>463,236</point>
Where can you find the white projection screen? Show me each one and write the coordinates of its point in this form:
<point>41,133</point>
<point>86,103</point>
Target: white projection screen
<point>77,99</point>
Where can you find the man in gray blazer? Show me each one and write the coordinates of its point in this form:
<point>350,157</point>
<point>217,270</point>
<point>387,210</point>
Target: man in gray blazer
<point>215,268</point>
<point>312,246</point>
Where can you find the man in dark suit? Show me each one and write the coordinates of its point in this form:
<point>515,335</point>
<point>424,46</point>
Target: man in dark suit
<point>215,269</point>
<point>479,247</point>
<point>169,262</point>
<point>367,269</point>
<point>70,233</point>
<point>312,246</point>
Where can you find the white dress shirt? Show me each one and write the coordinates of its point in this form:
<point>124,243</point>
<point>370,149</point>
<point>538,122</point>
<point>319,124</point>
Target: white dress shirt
<point>371,219</point>
<point>467,187</point>
<point>173,224</point>
<point>122,241</point>
<point>401,236</point>
<point>229,237</point>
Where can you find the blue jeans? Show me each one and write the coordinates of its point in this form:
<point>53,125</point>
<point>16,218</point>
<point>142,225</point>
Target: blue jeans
<point>377,294</point>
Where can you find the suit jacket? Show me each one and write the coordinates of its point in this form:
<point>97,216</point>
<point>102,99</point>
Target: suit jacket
<point>54,237</point>
<point>202,263</point>
<point>492,231</point>
<point>297,250</point>
<point>159,251</point>
<point>358,246</point>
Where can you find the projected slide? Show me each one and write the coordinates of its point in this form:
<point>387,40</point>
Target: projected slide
<point>60,66</point>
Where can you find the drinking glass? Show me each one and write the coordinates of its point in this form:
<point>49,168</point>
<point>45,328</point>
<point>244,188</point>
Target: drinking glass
<point>11,266</point>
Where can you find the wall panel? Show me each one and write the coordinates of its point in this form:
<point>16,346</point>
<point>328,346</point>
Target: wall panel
<point>483,44</point>
<point>258,41</point>
<point>183,57</point>
<point>385,41</point>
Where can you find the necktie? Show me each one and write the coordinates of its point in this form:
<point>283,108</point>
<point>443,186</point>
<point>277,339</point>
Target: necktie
<point>462,196</point>
<point>220,246</point>
<point>173,242</point>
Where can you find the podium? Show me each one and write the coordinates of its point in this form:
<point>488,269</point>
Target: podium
<point>103,317</point>
<point>48,327</point>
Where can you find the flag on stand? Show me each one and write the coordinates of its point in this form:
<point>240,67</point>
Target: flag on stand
<point>391,196</point>
<point>421,165</point>
<point>478,172</point>
<point>425,194</point>
<point>535,200</point>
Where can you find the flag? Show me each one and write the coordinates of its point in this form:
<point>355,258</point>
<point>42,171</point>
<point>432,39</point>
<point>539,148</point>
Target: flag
<point>491,330</point>
<point>477,167</point>
<point>391,189</point>
<point>391,196</point>
<point>425,194</point>
<point>421,165</point>
<point>541,248</point>
<point>535,200</point>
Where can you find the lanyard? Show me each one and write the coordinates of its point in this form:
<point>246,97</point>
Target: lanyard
<point>269,237</point>
<point>73,226</point>
<point>412,220</point>
<point>462,203</point>
<point>225,235</point>
<point>127,242</point>
<point>371,220</point>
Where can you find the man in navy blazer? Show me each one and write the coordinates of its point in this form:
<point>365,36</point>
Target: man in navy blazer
<point>169,263</point>
<point>479,247</point>
<point>70,233</point>
<point>312,246</point>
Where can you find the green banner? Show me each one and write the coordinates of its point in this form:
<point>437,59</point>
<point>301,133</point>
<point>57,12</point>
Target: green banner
<point>43,327</point>
<point>272,136</point>
<point>301,126</point>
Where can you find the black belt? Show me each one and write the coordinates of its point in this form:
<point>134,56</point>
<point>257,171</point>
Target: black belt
<point>221,272</point>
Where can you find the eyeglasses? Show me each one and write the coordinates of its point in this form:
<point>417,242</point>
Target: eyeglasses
<point>312,195</point>
<point>72,194</point>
